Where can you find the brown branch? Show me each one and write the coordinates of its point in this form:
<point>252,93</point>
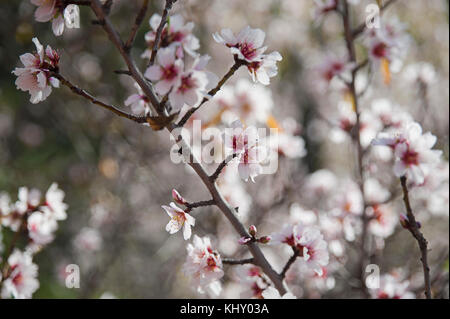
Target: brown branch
<point>159,31</point>
<point>362,27</point>
<point>417,234</point>
<point>290,262</point>
<point>86,95</point>
<point>222,165</point>
<point>211,93</point>
<point>78,2</point>
<point>237,261</point>
<point>204,203</point>
<point>228,211</point>
<point>137,23</point>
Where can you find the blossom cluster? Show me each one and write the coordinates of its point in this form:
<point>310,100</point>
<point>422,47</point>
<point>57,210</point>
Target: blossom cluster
<point>38,217</point>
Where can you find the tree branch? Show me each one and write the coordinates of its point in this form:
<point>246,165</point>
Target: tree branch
<point>290,262</point>
<point>237,261</point>
<point>211,93</point>
<point>222,165</point>
<point>137,23</point>
<point>417,234</point>
<point>86,95</point>
<point>221,203</point>
<point>362,27</point>
<point>162,24</point>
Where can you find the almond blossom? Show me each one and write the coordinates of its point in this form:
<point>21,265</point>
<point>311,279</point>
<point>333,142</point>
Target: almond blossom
<point>179,219</point>
<point>35,76</point>
<point>413,151</point>
<point>203,266</point>
<point>247,47</point>
<point>22,281</point>
<point>139,103</point>
<point>167,73</point>
<point>41,226</point>
<point>392,287</point>
<point>310,244</point>
<point>60,13</point>
<point>175,34</point>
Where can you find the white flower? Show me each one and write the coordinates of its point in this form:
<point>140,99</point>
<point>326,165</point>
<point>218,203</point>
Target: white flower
<point>247,47</point>
<point>179,219</point>
<point>272,293</point>
<point>168,73</point>
<point>413,152</point>
<point>203,266</point>
<point>139,103</point>
<point>266,68</point>
<point>237,138</point>
<point>174,34</point>
<point>22,281</point>
<point>250,162</point>
<point>54,200</point>
<point>59,13</point>
<point>35,77</point>
<point>333,66</point>
<point>41,226</point>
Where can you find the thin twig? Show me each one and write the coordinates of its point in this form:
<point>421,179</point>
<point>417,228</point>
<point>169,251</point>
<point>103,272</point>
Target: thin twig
<point>417,234</point>
<point>204,203</point>
<point>78,2</point>
<point>290,262</point>
<point>222,165</point>
<point>137,23</point>
<point>83,93</point>
<point>237,261</point>
<point>213,92</point>
<point>159,31</point>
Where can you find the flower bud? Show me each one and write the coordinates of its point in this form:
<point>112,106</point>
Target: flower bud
<point>178,198</point>
<point>252,230</point>
<point>264,239</point>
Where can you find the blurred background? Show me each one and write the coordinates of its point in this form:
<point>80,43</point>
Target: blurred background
<point>116,174</point>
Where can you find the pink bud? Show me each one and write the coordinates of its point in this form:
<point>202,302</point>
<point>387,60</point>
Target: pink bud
<point>244,240</point>
<point>404,221</point>
<point>178,198</point>
<point>252,230</point>
<point>265,239</point>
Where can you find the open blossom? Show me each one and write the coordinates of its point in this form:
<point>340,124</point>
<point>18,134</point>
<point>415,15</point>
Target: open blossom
<point>54,201</point>
<point>311,246</point>
<point>413,152</point>
<point>35,77</point>
<point>192,85</point>
<point>333,66</point>
<point>272,293</point>
<point>88,239</point>
<point>179,219</point>
<point>60,14</point>
<point>203,265</point>
<point>167,73</point>
<point>22,281</point>
<point>175,34</point>
<point>247,46</point>
<point>41,226</point>
<point>237,138</point>
<point>139,103</point>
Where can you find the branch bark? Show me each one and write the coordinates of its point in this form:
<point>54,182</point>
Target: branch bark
<point>417,234</point>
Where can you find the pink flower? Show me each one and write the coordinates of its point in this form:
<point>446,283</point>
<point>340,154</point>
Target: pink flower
<point>139,102</point>
<point>35,77</point>
<point>88,240</point>
<point>250,163</point>
<point>413,152</point>
<point>236,138</point>
<point>178,198</point>
<point>203,265</point>
<point>168,73</point>
<point>179,219</point>
<point>333,66</point>
<point>175,34</point>
<point>22,281</point>
<point>60,14</point>
<point>392,287</point>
